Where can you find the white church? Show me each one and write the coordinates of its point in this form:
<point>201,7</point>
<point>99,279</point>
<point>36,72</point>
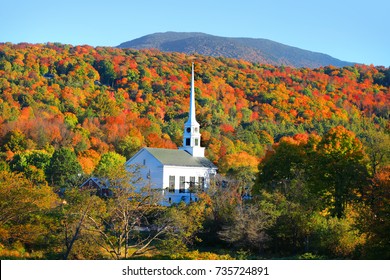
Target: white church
<point>178,173</point>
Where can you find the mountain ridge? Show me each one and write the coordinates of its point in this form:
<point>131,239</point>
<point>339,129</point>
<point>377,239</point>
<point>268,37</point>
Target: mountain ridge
<point>250,49</point>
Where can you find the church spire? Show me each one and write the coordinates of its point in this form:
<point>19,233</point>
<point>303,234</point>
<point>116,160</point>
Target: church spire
<point>191,136</point>
<point>192,113</point>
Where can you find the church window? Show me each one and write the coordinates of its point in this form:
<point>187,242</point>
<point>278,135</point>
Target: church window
<point>188,141</point>
<point>192,183</point>
<point>171,188</point>
<point>182,185</point>
<point>201,183</point>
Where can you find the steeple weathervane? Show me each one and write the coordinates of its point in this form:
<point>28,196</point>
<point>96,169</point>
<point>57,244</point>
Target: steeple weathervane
<point>191,137</point>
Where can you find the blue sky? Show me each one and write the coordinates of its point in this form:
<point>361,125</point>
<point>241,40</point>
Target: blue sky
<point>356,31</point>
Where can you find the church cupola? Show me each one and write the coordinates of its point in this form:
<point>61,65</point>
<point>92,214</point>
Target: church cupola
<point>191,136</point>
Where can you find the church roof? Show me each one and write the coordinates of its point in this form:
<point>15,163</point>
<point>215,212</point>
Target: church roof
<point>179,158</point>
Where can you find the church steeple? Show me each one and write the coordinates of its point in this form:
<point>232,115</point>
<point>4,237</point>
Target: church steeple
<point>191,136</point>
<point>192,113</point>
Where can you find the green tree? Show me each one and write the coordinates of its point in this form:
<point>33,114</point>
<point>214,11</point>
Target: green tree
<point>33,164</point>
<point>305,176</point>
<point>14,141</point>
<point>104,106</point>
<point>294,204</point>
<point>339,170</point>
<point>109,165</point>
<point>64,169</point>
<point>335,167</point>
<point>278,169</point>
<point>376,144</point>
<point>128,146</point>
<point>106,71</point>
<point>284,162</point>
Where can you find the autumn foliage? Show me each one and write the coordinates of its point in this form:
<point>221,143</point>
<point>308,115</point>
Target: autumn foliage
<point>101,99</point>
<point>82,103</point>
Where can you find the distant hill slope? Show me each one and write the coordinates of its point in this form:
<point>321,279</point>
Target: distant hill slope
<point>254,50</point>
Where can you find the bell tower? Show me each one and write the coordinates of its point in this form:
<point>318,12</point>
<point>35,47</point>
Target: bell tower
<point>191,136</point>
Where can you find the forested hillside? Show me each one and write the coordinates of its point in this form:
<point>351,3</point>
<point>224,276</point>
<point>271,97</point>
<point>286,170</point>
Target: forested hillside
<point>250,49</point>
<point>68,112</point>
<point>107,99</point>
